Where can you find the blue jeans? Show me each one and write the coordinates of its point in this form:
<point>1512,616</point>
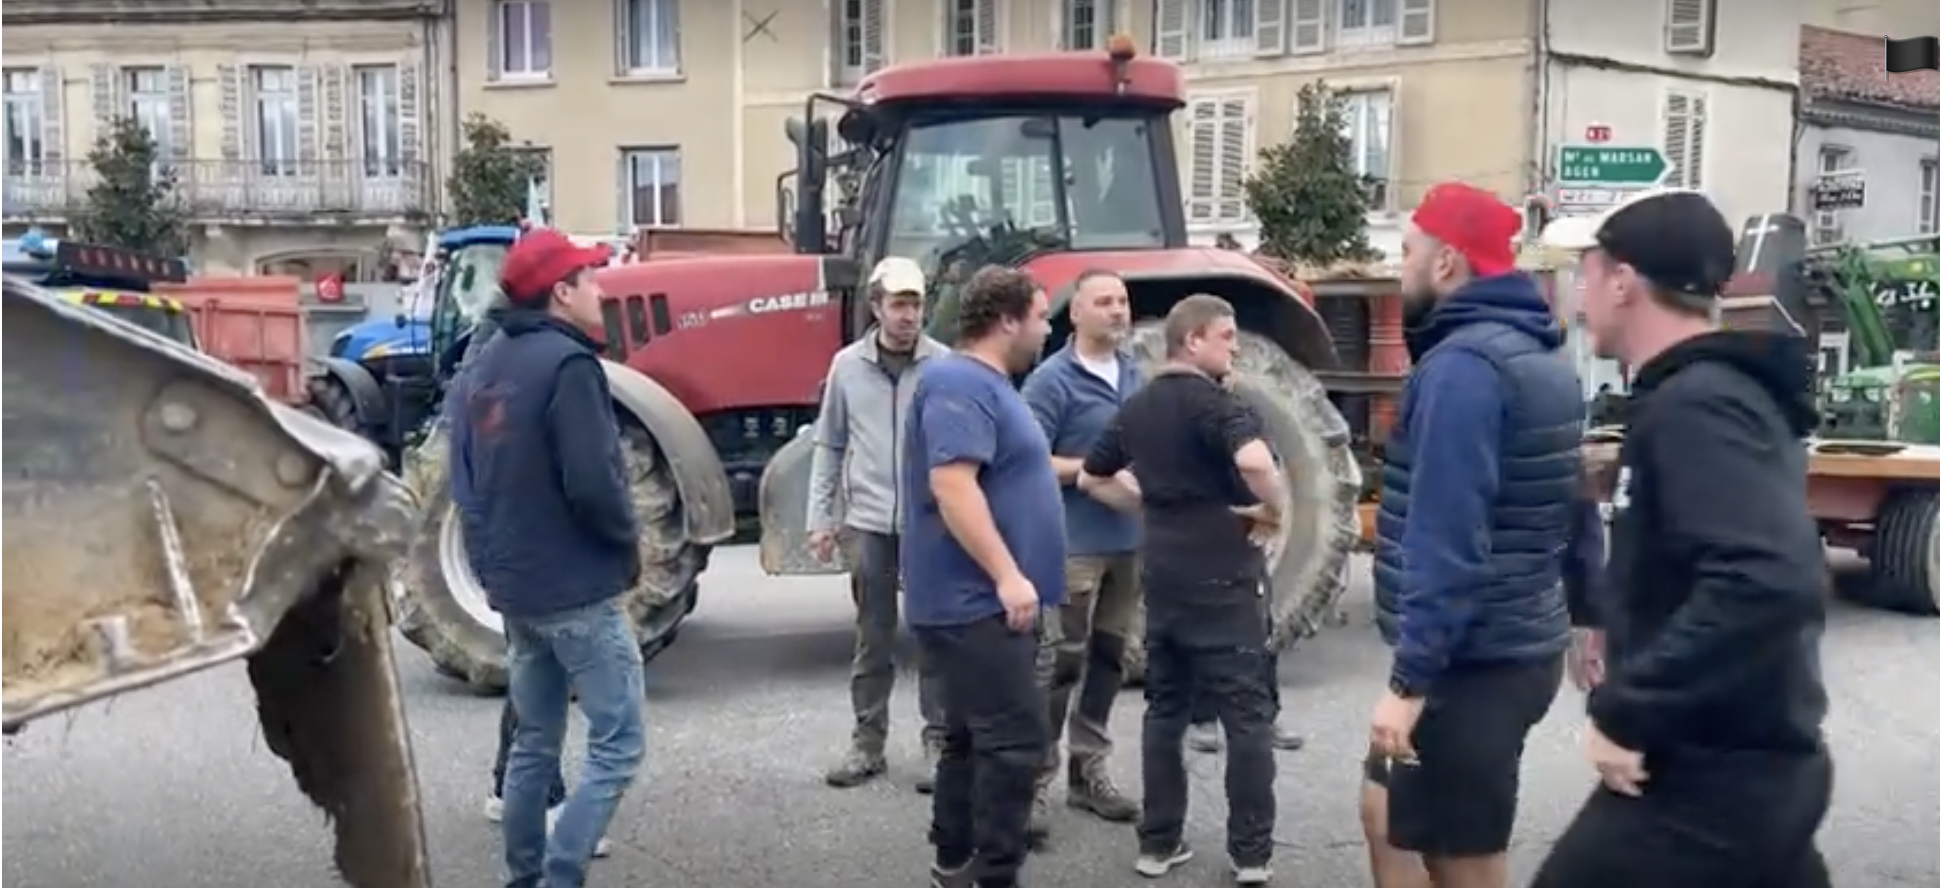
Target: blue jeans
<point>590,651</point>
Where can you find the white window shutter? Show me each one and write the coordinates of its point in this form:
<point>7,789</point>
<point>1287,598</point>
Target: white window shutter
<point>1687,26</point>
<point>1235,120</point>
<point>180,107</point>
<point>1677,137</point>
<point>1270,27</point>
<point>1309,26</point>
<point>109,103</point>
<point>53,119</point>
<point>989,39</point>
<point>622,37</point>
<point>495,42</point>
<point>1202,192</point>
<point>1417,23</point>
<point>1172,31</point>
<point>873,52</point>
<point>1694,143</point>
<point>307,87</point>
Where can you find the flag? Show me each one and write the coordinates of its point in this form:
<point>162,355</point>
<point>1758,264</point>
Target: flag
<point>1915,54</point>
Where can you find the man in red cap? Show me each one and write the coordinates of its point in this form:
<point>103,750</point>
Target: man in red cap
<point>551,534</point>
<point>1477,492</point>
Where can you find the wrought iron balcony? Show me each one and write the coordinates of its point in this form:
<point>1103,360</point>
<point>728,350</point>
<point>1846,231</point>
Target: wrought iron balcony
<point>239,191</point>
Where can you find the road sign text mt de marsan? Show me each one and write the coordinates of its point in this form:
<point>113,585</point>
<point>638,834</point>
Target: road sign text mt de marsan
<point>1638,165</point>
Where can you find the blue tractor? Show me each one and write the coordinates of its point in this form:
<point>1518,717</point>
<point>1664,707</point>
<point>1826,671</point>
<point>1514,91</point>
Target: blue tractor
<point>385,378</point>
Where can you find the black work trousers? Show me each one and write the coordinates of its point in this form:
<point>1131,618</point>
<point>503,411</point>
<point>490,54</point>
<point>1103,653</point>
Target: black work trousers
<point>1706,820</point>
<point>995,735</point>
<point>1204,712</point>
<point>1216,653</point>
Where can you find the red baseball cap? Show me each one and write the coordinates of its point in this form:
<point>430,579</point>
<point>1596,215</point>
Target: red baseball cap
<point>1475,223</point>
<point>541,258</point>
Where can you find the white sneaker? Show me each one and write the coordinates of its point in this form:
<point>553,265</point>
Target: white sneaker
<point>602,848</point>
<point>495,812</point>
<point>1152,864</point>
<point>1252,875</point>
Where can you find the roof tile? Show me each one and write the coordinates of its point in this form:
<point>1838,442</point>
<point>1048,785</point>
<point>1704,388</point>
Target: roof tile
<point>1843,65</point>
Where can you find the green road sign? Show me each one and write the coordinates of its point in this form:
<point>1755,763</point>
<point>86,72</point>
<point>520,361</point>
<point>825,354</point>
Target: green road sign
<point>1610,165</point>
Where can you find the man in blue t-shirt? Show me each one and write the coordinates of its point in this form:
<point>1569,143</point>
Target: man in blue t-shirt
<point>983,550</point>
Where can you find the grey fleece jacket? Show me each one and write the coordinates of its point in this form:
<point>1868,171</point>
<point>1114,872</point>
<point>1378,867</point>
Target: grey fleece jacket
<point>859,438</point>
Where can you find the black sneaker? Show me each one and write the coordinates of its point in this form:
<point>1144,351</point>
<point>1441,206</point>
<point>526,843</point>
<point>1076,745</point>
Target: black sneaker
<point>926,781</point>
<point>1153,864</point>
<point>950,878</point>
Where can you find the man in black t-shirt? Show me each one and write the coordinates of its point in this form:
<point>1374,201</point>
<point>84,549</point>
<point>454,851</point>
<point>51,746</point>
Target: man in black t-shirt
<point>1208,486</point>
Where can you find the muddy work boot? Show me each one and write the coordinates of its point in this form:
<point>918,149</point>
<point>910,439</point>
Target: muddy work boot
<point>858,767</point>
<point>932,753</point>
<point>1038,830</point>
<point>1091,790</point>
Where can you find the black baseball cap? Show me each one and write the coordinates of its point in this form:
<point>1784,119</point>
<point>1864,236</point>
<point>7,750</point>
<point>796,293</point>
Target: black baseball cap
<point>1675,237</point>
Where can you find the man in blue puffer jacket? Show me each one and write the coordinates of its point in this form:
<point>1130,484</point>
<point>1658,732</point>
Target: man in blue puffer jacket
<point>1479,489</point>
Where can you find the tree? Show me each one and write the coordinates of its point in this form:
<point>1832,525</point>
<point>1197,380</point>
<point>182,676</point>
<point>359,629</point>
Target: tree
<point>133,203</point>
<point>1310,202</point>
<point>491,176</point>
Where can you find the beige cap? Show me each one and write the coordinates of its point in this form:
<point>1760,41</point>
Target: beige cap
<point>895,274</point>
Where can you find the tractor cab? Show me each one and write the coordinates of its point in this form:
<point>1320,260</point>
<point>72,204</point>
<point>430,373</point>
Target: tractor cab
<point>966,162</point>
<point>111,280</point>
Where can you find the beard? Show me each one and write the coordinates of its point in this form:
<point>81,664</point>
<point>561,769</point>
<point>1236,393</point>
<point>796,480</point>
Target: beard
<point>1415,308</point>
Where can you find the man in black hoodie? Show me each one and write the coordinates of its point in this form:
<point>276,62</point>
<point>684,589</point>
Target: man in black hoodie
<point>550,531</point>
<point>1706,731</point>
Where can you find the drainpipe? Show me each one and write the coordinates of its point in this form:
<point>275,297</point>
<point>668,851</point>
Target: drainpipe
<point>1539,95</point>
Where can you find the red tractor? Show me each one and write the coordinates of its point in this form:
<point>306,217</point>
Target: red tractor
<point>1052,163</point>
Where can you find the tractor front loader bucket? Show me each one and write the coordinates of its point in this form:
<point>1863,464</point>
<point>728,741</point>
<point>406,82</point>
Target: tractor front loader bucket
<point>163,517</point>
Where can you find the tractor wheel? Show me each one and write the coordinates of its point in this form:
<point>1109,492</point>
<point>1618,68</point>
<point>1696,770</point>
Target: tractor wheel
<point>1906,554</point>
<point>444,609</point>
<point>1311,438</point>
<point>331,401</point>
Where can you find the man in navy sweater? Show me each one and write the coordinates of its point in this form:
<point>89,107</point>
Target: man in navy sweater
<point>551,533</point>
<point>983,550</point>
<point>1478,491</point>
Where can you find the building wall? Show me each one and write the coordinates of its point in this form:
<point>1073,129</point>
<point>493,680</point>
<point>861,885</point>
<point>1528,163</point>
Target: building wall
<point>1897,190</point>
<point>1612,66</point>
<point>324,196</point>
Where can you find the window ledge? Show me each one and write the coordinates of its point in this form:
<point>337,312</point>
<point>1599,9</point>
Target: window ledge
<point>521,82</point>
<point>643,77</point>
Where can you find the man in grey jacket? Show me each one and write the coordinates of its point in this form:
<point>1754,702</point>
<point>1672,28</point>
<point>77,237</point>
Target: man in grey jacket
<point>859,445</point>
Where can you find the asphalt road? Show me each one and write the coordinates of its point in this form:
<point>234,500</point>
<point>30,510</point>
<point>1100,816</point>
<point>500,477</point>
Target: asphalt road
<point>174,789</point>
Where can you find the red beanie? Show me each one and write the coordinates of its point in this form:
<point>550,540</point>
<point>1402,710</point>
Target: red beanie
<point>1474,223</point>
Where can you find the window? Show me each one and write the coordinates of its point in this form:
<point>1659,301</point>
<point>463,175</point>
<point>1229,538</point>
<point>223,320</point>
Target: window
<point>1366,22</point>
<point>1085,24</point>
<point>1684,125</point>
<point>1689,26</point>
<point>274,89</point>
<point>858,39</point>
<point>26,145</point>
<point>1370,137</point>
<point>970,27</point>
<point>377,136</point>
<point>1226,28</point>
<point>538,189</point>
<point>524,39</point>
<point>1082,180</point>
<point>1929,222</point>
<point>1221,136</point>
<point>650,36</point>
<point>148,103</point>
<point>1828,226</point>
<point>653,187</point>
